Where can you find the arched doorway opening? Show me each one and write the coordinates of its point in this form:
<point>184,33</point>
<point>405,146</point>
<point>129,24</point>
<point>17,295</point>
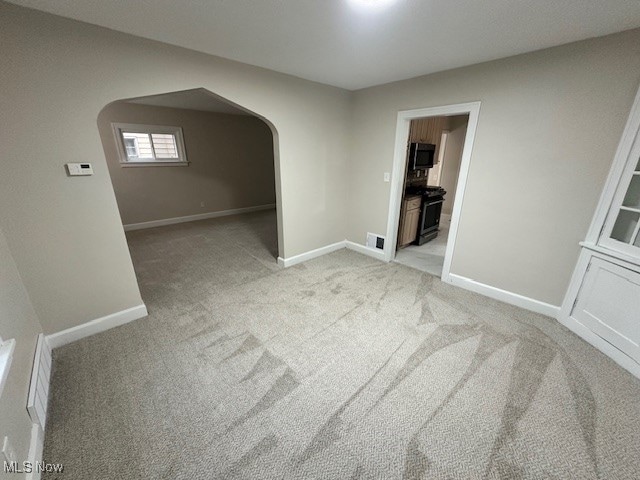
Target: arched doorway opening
<point>196,180</point>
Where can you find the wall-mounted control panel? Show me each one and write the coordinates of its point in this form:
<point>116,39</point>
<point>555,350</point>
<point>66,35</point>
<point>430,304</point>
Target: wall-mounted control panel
<point>75,169</point>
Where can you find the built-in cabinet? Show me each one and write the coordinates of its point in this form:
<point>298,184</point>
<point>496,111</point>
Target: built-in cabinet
<point>409,220</point>
<point>604,294</point>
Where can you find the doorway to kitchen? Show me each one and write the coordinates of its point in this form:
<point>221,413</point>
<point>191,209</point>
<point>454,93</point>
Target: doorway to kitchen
<point>431,162</point>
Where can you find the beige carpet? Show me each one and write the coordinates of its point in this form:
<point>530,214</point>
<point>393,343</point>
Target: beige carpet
<point>340,368</point>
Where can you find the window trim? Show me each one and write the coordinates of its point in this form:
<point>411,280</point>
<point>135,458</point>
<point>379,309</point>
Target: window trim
<point>119,128</point>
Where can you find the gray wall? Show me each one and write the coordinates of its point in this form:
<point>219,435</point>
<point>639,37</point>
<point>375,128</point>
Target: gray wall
<point>231,164</point>
<point>549,125</point>
<point>457,127</point>
<point>18,320</point>
<point>65,233</point>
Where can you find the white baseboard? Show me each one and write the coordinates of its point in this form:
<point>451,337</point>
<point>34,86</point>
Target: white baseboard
<point>504,295</point>
<point>598,342</point>
<point>318,252</point>
<point>98,325</point>
<point>193,218</point>
<point>35,451</point>
<point>371,252</point>
<point>303,257</point>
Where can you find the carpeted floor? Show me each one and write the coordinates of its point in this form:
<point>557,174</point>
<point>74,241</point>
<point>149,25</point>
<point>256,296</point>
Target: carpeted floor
<point>340,368</point>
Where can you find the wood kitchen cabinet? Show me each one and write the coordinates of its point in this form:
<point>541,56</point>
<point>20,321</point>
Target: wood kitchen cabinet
<point>428,130</point>
<point>409,220</point>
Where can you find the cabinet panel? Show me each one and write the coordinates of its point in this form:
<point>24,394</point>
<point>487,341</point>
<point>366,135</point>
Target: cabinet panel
<point>409,219</point>
<point>609,304</point>
<point>413,203</point>
<point>411,225</point>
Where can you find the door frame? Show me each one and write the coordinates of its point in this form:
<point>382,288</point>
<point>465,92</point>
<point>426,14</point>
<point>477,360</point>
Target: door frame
<point>399,171</point>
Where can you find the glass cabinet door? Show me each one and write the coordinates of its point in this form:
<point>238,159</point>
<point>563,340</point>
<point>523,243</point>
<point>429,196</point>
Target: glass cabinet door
<point>622,230</point>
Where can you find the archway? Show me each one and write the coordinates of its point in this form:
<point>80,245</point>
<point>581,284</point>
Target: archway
<point>201,99</point>
<point>231,180</point>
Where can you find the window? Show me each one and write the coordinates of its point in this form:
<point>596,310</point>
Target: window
<point>150,145</point>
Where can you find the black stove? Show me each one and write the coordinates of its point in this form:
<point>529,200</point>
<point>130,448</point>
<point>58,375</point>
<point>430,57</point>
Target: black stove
<point>432,200</point>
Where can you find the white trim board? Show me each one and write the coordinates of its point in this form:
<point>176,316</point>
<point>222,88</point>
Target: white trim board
<point>38,398</point>
<point>199,216</point>
<point>98,325</point>
<point>400,164</point>
<point>36,447</point>
<point>371,252</point>
<point>318,252</point>
<point>504,295</point>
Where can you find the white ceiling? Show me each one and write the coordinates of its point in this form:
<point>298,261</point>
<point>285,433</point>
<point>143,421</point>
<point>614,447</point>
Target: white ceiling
<point>347,44</point>
<point>196,99</point>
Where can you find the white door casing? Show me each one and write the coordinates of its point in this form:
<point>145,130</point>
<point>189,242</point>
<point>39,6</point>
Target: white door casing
<point>399,172</point>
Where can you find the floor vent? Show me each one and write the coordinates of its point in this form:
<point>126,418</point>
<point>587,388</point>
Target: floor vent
<point>375,241</point>
<point>39,387</point>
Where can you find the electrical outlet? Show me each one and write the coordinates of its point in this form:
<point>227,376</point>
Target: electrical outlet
<point>387,176</point>
<point>8,451</point>
<point>201,204</point>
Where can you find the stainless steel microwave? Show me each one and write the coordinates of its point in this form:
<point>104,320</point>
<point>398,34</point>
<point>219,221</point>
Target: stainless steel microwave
<point>421,155</point>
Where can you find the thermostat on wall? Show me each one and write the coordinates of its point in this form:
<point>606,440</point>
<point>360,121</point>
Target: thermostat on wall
<point>79,169</point>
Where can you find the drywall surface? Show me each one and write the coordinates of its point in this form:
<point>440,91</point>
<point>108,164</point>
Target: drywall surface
<point>65,233</point>
<point>549,125</point>
<point>18,320</point>
<point>230,164</point>
<point>452,157</point>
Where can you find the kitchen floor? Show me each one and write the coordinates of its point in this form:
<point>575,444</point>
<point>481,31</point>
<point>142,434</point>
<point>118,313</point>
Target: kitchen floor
<point>430,256</point>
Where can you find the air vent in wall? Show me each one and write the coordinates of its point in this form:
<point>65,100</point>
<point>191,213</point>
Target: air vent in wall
<point>375,241</point>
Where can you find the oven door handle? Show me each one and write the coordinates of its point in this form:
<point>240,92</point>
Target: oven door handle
<point>433,203</point>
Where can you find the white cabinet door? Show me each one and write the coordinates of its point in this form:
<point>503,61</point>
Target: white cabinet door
<point>609,304</point>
